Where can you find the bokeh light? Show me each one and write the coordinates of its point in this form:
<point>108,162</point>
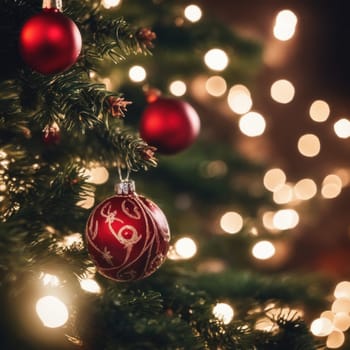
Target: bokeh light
<point>216,59</point>
<point>285,25</point>
<point>52,311</point>
<point>282,91</point>
<point>274,179</point>
<point>284,194</point>
<point>137,74</point>
<point>97,175</point>
<point>321,327</point>
<point>223,312</point>
<point>335,340</point>
<point>110,3</point>
<point>239,99</point>
<point>286,219</point>
<point>216,86</point>
<point>342,128</point>
<point>331,186</point>
<point>305,189</point>
<point>231,222</point>
<point>341,305</point>
<point>342,290</point>
<point>319,111</point>
<point>185,248</point>
<point>193,13</point>
<point>341,321</point>
<point>178,88</point>
<point>90,285</point>
<point>309,145</point>
<point>263,250</point>
<point>252,124</point>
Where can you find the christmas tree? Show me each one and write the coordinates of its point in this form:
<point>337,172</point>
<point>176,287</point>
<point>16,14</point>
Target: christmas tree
<point>131,216</point>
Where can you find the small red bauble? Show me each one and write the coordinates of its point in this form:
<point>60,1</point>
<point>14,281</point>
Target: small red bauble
<point>169,124</point>
<point>127,235</point>
<point>52,134</point>
<point>50,42</point>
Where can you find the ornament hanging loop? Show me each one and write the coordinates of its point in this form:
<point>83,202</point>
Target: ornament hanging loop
<point>124,185</point>
<point>52,4</point>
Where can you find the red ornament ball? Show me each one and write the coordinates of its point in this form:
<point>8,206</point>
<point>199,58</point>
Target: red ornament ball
<point>50,42</point>
<point>127,235</point>
<point>169,124</point>
<point>51,135</point>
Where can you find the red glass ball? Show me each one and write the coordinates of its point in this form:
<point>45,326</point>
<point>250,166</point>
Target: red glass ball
<point>127,236</point>
<point>50,42</point>
<point>169,124</point>
<point>51,135</point>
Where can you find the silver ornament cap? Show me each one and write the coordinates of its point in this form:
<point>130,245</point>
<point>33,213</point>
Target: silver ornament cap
<point>125,187</point>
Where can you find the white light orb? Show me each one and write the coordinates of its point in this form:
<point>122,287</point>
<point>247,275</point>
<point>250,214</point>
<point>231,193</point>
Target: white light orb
<point>216,59</point>
<point>286,219</point>
<point>321,327</point>
<point>335,340</point>
<point>50,280</point>
<point>283,194</point>
<point>274,179</point>
<point>263,250</point>
<point>52,312</point>
<point>239,99</point>
<point>193,13</point>
<point>87,201</point>
<point>231,222</point>
<point>178,88</point>
<point>282,91</point>
<point>90,285</point>
<point>341,305</point>
<point>252,124</point>
<point>305,189</point>
<point>328,314</point>
<point>223,312</point>
<point>267,220</point>
<point>309,145</point>
<point>110,3</point>
<point>185,248</point>
<point>341,321</point>
<point>319,111</point>
<point>216,86</point>
<point>285,25</point>
<point>97,175</point>
<point>137,74</point>
<point>342,128</point>
<point>342,290</point>
<point>330,190</point>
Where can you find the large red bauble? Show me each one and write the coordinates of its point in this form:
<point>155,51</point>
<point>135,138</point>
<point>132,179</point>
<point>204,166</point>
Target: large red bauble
<point>169,124</point>
<point>127,235</point>
<point>50,42</point>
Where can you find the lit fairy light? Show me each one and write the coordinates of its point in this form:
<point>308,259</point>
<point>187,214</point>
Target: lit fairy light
<point>87,200</point>
<point>342,128</point>
<point>335,339</point>
<point>110,3</point>
<point>342,290</point>
<point>185,248</point>
<point>74,239</point>
<point>252,124</point>
<point>97,175</point>
<point>286,219</point>
<point>265,324</point>
<point>267,220</point>
<point>239,99</point>
<point>282,91</point>
<point>341,305</point>
<point>216,86</point>
<point>193,13</point>
<point>274,179</point>
<point>49,280</point>
<point>137,74</point>
<point>285,25</point>
<point>331,186</point>
<point>332,179</point>
<point>263,250</point>
<point>309,145</point>
<point>344,175</point>
<point>177,88</point>
<point>319,111</point>
<point>321,327</point>
<point>341,321</point>
<point>284,194</point>
<point>90,285</point>
<point>305,189</point>
<point>231,222</point>
<point>216,59</point>
<point>223,312</point>
<point>52,312</point>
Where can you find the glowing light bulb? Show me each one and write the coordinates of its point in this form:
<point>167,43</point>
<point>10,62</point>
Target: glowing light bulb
<point>342,128</point>
<point>274,179</point>
<point>263,250</point>
<point>110,3</point>
<point>284,194</point>
<point>319,111</point>
<point>87,201</point>
<point>49,280</point>
<point>331,186</point>
<point>193,13</point>
<point>342,290</point>
<point>321,327</point>
<point>335,340</point>
<point>223,312</point>
<point>267,219</point>
<point>231,222</point>
<point>285,219</point>
<point>305,189</point>
<point>239,99</point>
<point>90,285</point>
<point>252,124</point>
<point>285,25</point>
<point>341,321</point>
<point>185,248</point>
<point>137,74</point>
<point>341,305</point>
<point>216,86</point>
<point>216,59</point>
<point>282,91</point>
<point>52,312</point>
<point>178,88</point>
<point>97,175</point>
<point>309,145</point>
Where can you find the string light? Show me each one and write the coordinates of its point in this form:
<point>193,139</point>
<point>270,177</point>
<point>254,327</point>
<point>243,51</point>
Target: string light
<point>309,145</point>
<point>223,312</point>
<point>335,340</point>
<point>267,220</point>
<point>252,124</point>
<point>216,59</point>
<point>285,25</point>
<point>321,327</point>
<point>274,179</point>
<point>193,13</point>
<point>185,248</point>
<point>97,175</point>
<point>342,290</point>
<point>90,285</point>
<point>263,250</point>
<point>284,194</point>
<point>177,88</point>
<point>305,189</point>
<point>87,201</point>
<point>52,312</point>
<point>49,280</point>
<point>342,128</point>
<point>231,222</point>
<point>331,186</point>
<point>282,91</point>
<point>285,219</point>
<point>319,111</point>
<point>110,3</point>
<point>216,86</point>
<point>137,74</point>
<point>239,99</point>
